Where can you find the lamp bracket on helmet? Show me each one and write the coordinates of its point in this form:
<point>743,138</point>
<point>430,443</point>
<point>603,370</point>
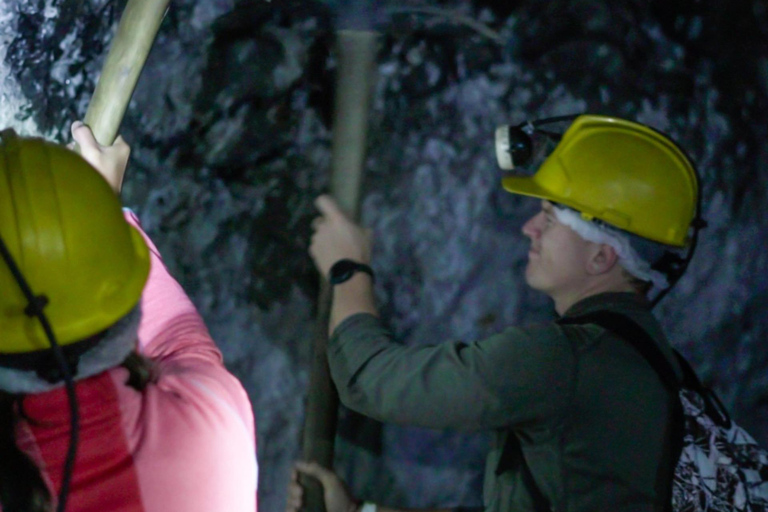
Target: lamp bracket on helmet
<point>514,145</point>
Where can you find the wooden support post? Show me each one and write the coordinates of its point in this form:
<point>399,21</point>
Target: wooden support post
<point>357,56</point>
<point>354,87</point>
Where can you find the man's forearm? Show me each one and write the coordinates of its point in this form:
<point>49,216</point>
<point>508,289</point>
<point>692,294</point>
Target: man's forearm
<point>352,297</point>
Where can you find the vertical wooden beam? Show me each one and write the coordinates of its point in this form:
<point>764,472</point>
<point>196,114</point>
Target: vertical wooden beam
<point>354,86</point>
<point>357,56</point>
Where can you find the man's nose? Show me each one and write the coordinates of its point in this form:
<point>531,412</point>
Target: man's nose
<point>532,227</point>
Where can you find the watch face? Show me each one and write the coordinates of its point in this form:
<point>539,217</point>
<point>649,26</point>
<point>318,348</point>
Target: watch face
<point>342,270</point>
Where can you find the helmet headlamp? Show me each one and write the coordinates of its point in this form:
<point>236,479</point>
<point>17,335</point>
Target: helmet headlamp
<point>515,145</point>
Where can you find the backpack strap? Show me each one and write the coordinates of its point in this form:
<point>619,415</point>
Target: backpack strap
<point>629,330</point>
<point>512,458</point>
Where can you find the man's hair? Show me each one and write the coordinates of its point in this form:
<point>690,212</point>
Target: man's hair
<point>640,286</point>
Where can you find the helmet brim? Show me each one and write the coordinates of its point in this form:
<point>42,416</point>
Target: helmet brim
<point>525,186</point>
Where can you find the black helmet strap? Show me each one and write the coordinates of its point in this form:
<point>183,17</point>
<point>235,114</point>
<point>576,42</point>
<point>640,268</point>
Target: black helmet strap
<point>35,307</point>
<point>674,266</point>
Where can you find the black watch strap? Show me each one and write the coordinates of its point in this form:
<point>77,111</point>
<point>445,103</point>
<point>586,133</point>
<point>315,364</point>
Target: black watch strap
<point>343,270</point>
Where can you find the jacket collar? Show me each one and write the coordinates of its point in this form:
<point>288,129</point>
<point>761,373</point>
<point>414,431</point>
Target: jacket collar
<point>615,301</point>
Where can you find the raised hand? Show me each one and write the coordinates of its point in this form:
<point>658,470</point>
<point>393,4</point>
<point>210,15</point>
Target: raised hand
<point>110,161</point>
<point>336,237</point>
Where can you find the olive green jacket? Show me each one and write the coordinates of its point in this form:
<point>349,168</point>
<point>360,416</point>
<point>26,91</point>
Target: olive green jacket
<point>587,413</point>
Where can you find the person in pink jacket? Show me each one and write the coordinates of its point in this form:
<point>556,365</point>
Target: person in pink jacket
<point>161,424</point>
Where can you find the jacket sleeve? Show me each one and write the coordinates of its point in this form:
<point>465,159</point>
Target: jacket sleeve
<point>514,377</point>
<point>174,336</point>
<point>164,305</point>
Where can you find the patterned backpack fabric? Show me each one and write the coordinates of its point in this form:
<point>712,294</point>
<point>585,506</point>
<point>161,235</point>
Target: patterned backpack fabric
<point>720,467</point>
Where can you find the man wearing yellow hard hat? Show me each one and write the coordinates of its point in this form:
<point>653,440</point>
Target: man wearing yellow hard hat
<point>113,396</point>
<point>582,421</point>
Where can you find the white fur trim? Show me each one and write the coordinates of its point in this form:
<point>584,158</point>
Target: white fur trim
<point>599,234</point>
<point>118,342</point>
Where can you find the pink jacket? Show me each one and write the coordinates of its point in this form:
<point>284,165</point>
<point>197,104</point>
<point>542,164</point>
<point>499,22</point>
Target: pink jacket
<point>186,443</point>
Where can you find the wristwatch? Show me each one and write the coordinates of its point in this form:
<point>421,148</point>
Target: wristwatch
<point>344,269</point>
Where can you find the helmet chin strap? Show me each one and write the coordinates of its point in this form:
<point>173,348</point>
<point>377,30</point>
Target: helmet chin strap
<point>35,307</point>
<point>673,265</point>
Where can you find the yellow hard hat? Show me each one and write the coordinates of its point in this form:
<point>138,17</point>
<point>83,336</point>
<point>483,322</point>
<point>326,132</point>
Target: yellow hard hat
<point>623,173</point>
<point>64,227</point>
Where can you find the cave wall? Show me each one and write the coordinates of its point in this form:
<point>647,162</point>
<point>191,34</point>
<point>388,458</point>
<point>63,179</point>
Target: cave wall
<point>230,130</point>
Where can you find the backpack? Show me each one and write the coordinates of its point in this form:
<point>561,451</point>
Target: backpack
<point>718,466</point>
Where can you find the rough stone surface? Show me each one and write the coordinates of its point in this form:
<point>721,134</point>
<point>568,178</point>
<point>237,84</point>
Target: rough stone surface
<point>230,128</point>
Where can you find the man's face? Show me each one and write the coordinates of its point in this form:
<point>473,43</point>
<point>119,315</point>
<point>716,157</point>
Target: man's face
<point>558,257</point>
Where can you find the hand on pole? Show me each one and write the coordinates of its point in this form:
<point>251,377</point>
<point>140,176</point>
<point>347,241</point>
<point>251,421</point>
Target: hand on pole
<point>336,237</point>
<point>110,161</point>
<point>336,496</point>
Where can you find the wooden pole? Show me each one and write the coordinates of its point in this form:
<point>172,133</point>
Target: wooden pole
<point>130,47</point>
<point>354,86</point>
<point>357,56</point>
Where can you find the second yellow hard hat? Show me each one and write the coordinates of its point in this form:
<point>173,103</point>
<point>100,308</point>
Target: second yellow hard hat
<point>623,173</point>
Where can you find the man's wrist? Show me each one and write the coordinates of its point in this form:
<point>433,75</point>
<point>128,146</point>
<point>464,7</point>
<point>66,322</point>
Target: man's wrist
<point>344,269</point>
<point>351,297</point>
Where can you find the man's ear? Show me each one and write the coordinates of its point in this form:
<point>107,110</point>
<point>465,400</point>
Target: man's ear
<point>604,258</point>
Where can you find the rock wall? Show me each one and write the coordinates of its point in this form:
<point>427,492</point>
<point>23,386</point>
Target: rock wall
<point>230,129</point>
